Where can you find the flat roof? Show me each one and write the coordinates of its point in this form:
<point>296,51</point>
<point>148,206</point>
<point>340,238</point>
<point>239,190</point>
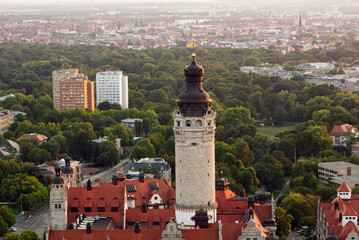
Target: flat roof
<point>338,164</point>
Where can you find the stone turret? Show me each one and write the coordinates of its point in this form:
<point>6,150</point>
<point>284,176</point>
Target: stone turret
<point>58,202</point>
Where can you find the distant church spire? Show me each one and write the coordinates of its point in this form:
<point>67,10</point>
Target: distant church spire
<point>300,20</point>
<point>300,27</point>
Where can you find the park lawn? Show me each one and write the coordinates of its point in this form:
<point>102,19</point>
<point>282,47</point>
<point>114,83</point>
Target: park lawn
<point>273,130</point>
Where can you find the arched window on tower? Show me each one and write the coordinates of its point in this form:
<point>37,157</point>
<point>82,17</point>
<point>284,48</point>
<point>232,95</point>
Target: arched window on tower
<point>198,123</point>
<point>188,123</point>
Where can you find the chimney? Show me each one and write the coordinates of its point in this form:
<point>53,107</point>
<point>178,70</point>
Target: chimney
<point>251,213</point>
<point>88,228</point>
<point>242,193</point>
<point>336,205</point>
<point>340,216</point>
<point>144,207</point>
<point>89,187</point>
<point>114,180</point>
<point>250,202</point>
<point>137,227</point>
<point>71,226</point>
<point>141,177</point>
<point>131,201</point>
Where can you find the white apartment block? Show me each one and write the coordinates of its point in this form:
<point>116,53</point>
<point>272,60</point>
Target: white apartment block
<point>335,173</point>
<point>112,86</point>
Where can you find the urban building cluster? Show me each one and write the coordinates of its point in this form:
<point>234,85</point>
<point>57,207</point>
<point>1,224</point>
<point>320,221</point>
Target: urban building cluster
<point>282,28</point>
<point>313,73</point>
<point>201,207</point>
<point>74,90</point>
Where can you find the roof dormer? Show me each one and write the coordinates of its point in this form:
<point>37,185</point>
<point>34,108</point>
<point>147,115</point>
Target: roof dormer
<point>350,215</point>
<point>344,192</point>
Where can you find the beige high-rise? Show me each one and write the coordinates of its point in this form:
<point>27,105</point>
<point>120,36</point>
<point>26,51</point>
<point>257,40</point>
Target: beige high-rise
<point>194,128</point>
<point>57,75</point>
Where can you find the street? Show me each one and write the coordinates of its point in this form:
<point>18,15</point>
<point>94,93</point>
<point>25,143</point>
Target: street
<point>37,223</point>
<point>106,176</point>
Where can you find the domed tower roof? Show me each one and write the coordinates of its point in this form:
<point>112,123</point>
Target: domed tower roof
<point>67,169</point>
<point>57,179</point>
<point>263,196</point>
<point>194,100</point>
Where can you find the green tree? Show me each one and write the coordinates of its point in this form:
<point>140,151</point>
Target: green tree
<point>158,96</point>
<point>7,215</point>
<point>283,221</point>
<point>143,149</point>
<point>313,140</point>
<point>251,61</point>
<point>3,227</point>
<point>269,172</point>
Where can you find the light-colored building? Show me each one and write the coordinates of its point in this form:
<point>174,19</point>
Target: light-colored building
<point>130,123</point>
<point>112,86</point>
<point>338,134</point>
<point>71,171</point>
<point>104,139</point>
<point>57,75</point>
<point>77,92</point>
<point>335,173</point>
<point>6,119</point>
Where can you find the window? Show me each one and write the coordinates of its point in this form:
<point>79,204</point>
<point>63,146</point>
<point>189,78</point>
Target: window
<point>143,223</point>
<point>55,206</point>
<point>88,209</point>
<point>156,223</point>
<point>188,123</point>
<point>100,209</point>
<point>74,209</point>
<point>178,123</point>
<point>59,206</point>
<point>114,209</point>
<point>130,223</point>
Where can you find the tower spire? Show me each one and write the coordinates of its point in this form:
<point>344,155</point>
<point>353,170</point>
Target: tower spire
<point>300,20</point>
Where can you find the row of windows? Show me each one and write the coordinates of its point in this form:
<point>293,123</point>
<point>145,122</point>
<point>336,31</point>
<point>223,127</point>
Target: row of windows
<point>198,123</point>
<point>89,209</point>
<point>57,206</point>
<point>343,193</point>
<point>350,218</point>
<point>145,223</point>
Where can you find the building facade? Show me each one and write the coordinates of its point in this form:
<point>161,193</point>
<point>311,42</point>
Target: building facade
<point>339,219</point>
<point>338,134</point>
<point>6,119</point>
<point>57,75</point>
<point>112,86</point>
<point>335,173</point>
<point>77,92</point>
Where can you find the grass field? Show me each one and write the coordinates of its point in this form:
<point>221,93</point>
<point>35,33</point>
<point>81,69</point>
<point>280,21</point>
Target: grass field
<point>273,130</point>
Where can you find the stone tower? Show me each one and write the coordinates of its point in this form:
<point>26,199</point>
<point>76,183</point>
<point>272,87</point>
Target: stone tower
<point>68,174</point>
<point>194,128</point>
<point>58,202</point>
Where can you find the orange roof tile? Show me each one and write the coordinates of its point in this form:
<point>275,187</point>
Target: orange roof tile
<point>350,211</point>
<point>344,188</point>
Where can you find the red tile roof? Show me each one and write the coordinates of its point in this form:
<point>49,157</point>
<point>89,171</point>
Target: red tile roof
<point>342,129</point>
<point>344,188</point>
<point>350,212</point>
<point>37,136</point>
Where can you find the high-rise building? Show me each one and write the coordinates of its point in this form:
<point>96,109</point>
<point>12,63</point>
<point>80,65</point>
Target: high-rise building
<point>77,92</point>
<point>112,86</point>
<point>57,75</point>
<point>194,128</point>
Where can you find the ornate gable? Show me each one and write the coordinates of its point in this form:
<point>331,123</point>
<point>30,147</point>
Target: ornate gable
<point>251,231</point>
<point>172,232</point>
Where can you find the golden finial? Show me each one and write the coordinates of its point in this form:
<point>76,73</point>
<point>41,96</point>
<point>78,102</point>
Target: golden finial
<point>193,55</point>
<point>192,45</point>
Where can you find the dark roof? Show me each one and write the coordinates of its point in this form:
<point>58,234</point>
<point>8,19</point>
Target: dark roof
<point>333,237</point>
<point>194,100</point>
<point>10,144</point>
<point>159,165</point>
